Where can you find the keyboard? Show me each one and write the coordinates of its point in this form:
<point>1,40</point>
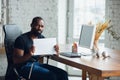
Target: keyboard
<point>70,54</point>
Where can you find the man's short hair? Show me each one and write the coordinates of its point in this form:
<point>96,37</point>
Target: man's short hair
<point>35,21</point>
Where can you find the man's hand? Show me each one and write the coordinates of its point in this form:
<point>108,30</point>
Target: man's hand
<point>32,50</point>
<point>56,47</point>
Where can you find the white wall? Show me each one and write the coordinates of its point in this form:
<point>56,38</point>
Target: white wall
<point>62,23</point>
<point>113,13</point>
<point>21,12</point>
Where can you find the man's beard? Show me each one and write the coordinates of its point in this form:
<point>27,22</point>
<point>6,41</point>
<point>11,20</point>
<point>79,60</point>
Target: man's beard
<point>36,33</point>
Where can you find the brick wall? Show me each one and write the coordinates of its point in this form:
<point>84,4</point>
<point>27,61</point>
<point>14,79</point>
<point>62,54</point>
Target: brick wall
<point>113,13</point>
<point>21,12</point>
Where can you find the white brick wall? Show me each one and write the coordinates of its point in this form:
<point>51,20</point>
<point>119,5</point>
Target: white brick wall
<point>21,12</point>
<point>113,13</point>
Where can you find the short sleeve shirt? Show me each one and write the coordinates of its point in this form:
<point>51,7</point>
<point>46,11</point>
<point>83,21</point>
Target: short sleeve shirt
<point>24,42</point>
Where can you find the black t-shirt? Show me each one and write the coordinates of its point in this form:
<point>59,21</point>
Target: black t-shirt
<point>24,42</point>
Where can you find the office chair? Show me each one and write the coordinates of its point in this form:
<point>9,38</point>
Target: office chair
<point>11,32</point>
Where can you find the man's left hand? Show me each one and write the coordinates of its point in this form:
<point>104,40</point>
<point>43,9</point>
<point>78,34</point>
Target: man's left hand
<point>56,47</point>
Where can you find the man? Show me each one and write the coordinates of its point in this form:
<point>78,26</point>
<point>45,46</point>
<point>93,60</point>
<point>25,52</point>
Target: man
<point>23,56</point>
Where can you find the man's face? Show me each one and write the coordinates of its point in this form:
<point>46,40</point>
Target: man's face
<point>38,29</point>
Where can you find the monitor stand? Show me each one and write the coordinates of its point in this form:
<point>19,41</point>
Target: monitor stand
<point>85,51</point>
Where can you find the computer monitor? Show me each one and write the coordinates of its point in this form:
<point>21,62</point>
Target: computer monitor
<point>87,35</point>
<point>86,40</point>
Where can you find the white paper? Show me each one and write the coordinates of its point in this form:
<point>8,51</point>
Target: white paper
<point>44,46</point>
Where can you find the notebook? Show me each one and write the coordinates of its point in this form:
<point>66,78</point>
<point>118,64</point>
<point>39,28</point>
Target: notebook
<point>44,46</point>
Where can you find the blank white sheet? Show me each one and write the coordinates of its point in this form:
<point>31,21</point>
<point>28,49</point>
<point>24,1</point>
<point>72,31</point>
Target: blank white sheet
<point>44,46</point>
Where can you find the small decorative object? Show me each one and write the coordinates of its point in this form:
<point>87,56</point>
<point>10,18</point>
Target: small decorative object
<point>100,27</point>
<point>105,54</point>
<point>97,55</point>
<point>74,47</point>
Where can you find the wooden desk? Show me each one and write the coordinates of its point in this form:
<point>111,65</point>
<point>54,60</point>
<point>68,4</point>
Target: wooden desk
<point>98,68</point>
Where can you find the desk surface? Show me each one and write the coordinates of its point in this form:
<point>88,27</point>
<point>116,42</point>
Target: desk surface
<point>103,67</point>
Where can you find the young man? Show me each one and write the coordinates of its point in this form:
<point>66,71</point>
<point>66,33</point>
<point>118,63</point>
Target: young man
<point>23,55</point>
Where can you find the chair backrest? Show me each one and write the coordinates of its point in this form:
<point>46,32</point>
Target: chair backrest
<point>11,31</point>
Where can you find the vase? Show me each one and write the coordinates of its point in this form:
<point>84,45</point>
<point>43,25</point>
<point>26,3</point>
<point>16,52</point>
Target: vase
<point>95,46</point>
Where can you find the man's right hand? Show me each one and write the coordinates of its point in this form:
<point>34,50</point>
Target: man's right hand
<point>32,50</point>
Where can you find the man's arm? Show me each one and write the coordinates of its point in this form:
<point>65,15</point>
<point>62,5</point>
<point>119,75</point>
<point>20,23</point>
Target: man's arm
<point>20,57</point>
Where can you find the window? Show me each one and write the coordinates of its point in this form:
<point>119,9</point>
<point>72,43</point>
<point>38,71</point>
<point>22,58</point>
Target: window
<point>87,11</point>
<point>84,12</point>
